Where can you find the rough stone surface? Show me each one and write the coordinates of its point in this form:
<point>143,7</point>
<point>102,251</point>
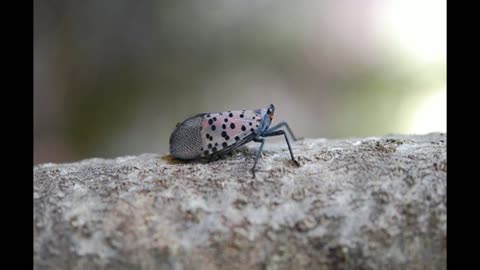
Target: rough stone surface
<point>360,203</point>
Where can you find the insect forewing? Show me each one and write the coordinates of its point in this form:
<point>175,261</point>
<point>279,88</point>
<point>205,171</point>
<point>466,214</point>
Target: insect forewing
<point>228,129</point>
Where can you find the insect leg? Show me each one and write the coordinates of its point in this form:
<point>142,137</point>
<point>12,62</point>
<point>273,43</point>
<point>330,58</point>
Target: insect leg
<point>270,133</point>
<point>284,124</point>
<point>262,141</point>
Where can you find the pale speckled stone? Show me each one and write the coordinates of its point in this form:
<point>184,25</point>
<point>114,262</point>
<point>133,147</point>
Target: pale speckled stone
<point>358,203</point>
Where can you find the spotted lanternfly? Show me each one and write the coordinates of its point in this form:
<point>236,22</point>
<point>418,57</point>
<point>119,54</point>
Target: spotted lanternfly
<point>209,135</point>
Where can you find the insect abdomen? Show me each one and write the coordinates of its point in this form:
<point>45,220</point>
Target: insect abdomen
<point>186,140</point>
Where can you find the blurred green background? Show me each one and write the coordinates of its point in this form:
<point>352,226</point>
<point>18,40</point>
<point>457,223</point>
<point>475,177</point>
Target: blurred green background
<point>113,78</point>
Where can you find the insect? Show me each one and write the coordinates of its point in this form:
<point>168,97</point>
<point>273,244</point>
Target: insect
<point>210,135</point>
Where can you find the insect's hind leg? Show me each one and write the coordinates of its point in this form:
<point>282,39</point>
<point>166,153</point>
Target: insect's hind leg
<point>284,124</point>
<point>270,133</point>
<point>259,151</point>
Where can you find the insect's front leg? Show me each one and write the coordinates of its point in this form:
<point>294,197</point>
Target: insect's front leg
<point>270,133</point>
<point>284,124</point>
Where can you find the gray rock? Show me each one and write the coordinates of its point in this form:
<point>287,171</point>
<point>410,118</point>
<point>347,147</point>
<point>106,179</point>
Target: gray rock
<point>369,203</point>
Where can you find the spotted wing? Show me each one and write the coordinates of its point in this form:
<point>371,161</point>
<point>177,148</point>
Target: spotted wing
<point>224,131</point>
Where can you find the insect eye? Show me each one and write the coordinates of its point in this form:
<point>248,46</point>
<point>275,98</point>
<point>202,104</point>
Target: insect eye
<point>270,109</point>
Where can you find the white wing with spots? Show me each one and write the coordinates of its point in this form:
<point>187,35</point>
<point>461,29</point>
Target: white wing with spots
<point>225,130</point>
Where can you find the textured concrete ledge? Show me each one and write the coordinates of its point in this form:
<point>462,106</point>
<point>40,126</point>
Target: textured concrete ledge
<point>366,203</point>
